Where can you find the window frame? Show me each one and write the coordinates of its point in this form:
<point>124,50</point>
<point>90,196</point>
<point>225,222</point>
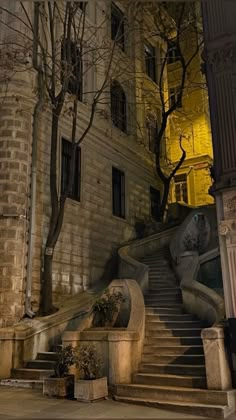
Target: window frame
<point>118,106</point>
<point>180,183</point>
<point>117,26</point>
<point>66,156</point>
<point>173,93</point>
<point>150,61</point>
<point>77,70</point>
<point>118,207</point>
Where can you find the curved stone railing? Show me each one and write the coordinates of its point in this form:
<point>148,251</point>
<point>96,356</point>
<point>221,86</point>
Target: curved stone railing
<point>198,299</point>
<point>130,267</point>
<point>120,348</point>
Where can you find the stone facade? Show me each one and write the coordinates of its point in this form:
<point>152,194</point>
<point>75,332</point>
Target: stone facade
<point>90,233</point>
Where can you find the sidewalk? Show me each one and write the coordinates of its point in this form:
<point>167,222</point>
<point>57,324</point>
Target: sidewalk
<point>19,403</point>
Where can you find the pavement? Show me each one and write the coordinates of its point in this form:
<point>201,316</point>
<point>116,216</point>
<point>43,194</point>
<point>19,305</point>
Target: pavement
<point>20,403</point>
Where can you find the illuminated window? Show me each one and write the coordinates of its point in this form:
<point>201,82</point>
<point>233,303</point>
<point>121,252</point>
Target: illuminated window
<point>174,98</point>
<point>181,188</point>
<point>172,53</point>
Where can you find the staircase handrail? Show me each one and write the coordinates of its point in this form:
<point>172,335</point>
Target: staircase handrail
<point>197,298</point>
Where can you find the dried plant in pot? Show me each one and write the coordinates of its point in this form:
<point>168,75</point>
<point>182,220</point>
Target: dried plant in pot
<point>90,385</point>
<point>106,309</point>
<point>61,383</point>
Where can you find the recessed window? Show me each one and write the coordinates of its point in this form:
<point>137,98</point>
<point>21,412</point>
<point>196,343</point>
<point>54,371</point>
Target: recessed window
<point>174,97</point>
<point>82,5</point>
<point>65,170</point>
<point>118,193</point>
<point>71,67</point>
<point>181,188</point>
<point>172,53</point>
<point>118,106</point>
<point>150,61</point>
<point>155,198</point>
<point>117,26</point>
<point>152,132</point>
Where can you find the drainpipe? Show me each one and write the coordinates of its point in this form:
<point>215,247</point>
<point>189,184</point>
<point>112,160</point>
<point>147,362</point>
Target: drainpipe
<point>37,109</point>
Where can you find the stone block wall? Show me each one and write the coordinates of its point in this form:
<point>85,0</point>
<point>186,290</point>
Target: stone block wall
<point>15,144</point>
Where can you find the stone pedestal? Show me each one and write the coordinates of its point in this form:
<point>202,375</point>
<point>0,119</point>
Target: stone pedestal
<point>217,365</point>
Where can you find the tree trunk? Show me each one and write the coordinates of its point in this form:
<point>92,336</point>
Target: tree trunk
<point>46,297</point>
<point>164,200</point>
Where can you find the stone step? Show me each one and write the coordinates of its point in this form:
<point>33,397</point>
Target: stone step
<point>170,380</point>
<point>164,289</point>
<point>164,311</point>
<point>169,300</point>
<point>163,350</point>
<point>180,394</point>
<point>174,369</point>
<point>23,383</point>
<point>172,306</point>
<point>177,332</point>
<point>156,325</point>
<point>182,359</point>
<point>169,317</point>
<point>157,285</point>
<point>31,373</point>
<point>47,355</point>
<point>163,293</point>
<point>206,410</point>
<point>40,364</point>
<point>172,341</point>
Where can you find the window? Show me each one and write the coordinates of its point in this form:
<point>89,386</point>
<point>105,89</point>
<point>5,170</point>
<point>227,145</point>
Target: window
<point>181,188</point>
<point>155,197</point>
<point>71,67</point>
<point>117,26</point>
<point>118,106</point>
<point>65,169</point>
<point>172,52</point>
<point>152,131</point>
<point>174,97</point>
<point>118,193</point>
<point>150,61</point>
<point>82,5</point>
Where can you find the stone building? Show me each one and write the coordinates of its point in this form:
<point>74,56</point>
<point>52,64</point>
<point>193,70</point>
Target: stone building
<point>115,184</point>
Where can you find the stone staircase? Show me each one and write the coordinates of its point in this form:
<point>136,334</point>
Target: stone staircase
<point>31,376</point>
<point>172,371</point>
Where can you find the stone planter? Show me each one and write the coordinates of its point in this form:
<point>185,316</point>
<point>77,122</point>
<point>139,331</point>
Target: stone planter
<point>59,387</point>
<point>90,390</point>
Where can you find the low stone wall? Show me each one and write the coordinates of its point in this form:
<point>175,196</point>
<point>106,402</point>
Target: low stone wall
<point>120,348</point>
<point>22,342</point>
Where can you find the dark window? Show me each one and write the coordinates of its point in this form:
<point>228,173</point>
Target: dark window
<point>72,67</point>
<point>82,5</point>
<point>118,193</point>
<point>150,61</point>
<point>172,53</point>
<point>174,97</point>
<point>152,130</point>
<point>117,26</point>
<point>65,170</point>
<point>118,106</point>
<point>155,197</point>
<point>181,188</point>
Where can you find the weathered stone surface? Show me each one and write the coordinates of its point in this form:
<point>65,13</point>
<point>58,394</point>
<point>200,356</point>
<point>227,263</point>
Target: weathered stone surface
<point>90,390</point>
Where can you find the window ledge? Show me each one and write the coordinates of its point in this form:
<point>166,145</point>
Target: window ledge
<point>120,219</point>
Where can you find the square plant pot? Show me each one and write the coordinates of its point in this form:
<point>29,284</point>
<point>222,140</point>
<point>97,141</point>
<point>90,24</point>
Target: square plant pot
<point>90,390</point>
<point>59,387</point>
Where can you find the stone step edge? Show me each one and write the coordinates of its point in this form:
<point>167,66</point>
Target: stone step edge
<point>22,383</point>
<point>220,410</point>
<point>170,376</point>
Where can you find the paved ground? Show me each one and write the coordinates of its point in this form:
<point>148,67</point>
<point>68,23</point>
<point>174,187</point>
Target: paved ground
<point>18,403</point>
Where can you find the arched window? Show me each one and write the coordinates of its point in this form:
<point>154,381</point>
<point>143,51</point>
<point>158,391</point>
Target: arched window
<point>118,106</point>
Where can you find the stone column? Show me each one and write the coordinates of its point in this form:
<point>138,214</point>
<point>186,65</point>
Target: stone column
<point>220,56</point>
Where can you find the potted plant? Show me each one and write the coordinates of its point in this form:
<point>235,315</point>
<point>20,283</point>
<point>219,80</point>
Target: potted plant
<point>90,385</point>
<point>61,384</point>
<point>106,308</point>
